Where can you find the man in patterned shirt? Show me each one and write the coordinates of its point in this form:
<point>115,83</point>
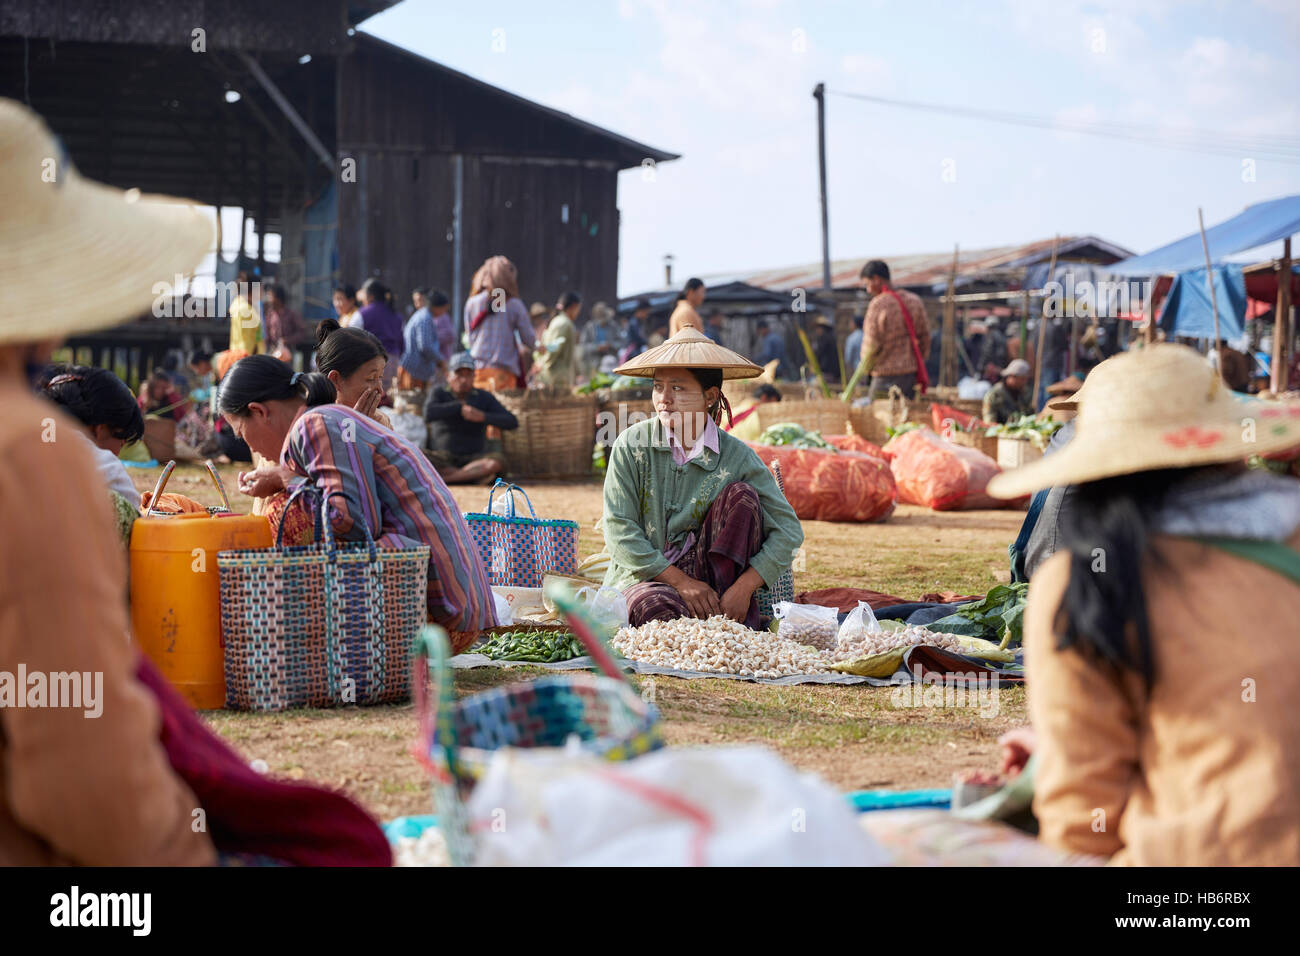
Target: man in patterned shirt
<point>887,344</point>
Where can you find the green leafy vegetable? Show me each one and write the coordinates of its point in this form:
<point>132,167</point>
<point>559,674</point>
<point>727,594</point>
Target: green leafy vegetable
<point>536,646</point>
<point>1039,431</point>
<point>793,436</point>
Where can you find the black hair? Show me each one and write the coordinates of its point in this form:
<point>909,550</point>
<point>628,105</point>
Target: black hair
<point>279,291</point>
<point>767,391</point>
<point>875,269</point>
<point>857,321</point>
<point>377,291</point>
<point>264,378</point>
<point>95,396</point>
<point>421,290</point>
<point>172,361</point>
<point>712,378</point>
<point>437,297</point>
<point>160,373</point>
<point>641,304</point>
<point>198,356</point>
<point>347,290</point>
<point>345,350</point>
<point>691,285</point>
<point>1103,613</point>
<point>761,326</point>
<point>569,298</point>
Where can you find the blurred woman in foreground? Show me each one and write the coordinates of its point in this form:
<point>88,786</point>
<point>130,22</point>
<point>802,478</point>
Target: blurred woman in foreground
<point>1160,638</point>
<point>108,766</point>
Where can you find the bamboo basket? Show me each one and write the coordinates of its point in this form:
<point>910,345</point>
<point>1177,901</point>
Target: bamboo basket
<point>863,422</point>
<point>827,416</point>
<point>977,440</point>
<point>555,434</point>
<point>624,408</point>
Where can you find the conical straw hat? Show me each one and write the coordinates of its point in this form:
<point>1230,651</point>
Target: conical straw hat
<point>1161,406</point>
<point>690,348</point>
<point>76,255</point>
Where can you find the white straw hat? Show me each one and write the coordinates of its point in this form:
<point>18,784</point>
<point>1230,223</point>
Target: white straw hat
<point>1161,406</point>
<point>690,348</point>
<point>76,255</point>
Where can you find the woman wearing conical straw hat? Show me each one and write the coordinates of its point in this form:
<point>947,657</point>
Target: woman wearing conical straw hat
<point>1160,638</point>
<point>118,774</point>
<point>694,522</point>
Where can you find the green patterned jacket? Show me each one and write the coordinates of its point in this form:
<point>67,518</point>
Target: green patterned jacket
<point>651,502</point>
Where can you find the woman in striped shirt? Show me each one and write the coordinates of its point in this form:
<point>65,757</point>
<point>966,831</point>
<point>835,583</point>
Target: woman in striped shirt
<point>385,482</point>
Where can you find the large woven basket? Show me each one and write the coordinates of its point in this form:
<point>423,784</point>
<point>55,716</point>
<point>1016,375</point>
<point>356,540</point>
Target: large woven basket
<point>619,412</point>
<point>977,440</point>
<point>864,422</point>
<point>160,437</point>
<point>827,416</point>
<point>555,434</point>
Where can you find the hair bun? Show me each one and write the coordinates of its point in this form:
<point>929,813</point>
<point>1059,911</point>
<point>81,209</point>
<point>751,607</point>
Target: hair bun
<point>324,328</point>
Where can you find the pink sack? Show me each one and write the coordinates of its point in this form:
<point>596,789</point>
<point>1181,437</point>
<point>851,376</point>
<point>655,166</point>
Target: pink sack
<point>937,474</point>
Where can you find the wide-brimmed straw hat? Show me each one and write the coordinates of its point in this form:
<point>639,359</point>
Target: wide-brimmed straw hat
<point>1157,407</point>
<point>690,348</point>
<point>76,255</point>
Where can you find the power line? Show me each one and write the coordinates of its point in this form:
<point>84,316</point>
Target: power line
<point>1285,149</point>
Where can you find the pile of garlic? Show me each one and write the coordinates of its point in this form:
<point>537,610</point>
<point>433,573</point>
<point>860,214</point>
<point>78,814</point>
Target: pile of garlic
<point>868,645</point>
<point>718,645</point>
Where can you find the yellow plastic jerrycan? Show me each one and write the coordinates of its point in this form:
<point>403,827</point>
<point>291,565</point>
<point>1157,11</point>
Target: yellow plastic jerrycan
<point>176,592</point>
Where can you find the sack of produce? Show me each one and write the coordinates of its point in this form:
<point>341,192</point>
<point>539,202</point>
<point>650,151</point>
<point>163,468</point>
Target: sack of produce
<point>883,653</point>
<point>826,485</point>
<point>939,475</point>
<point>807,624</point>
<point>856,443</point>
<point>860,622</point>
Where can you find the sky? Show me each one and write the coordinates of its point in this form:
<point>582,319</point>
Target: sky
<point>728,85</point>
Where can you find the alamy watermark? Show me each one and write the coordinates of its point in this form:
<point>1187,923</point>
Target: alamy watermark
<point>1087,299</point>
<point>78,690</point>
<point>171,302</point>
<point>979,690</point>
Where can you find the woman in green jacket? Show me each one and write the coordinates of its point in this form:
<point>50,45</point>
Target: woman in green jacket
<point>694,522</point>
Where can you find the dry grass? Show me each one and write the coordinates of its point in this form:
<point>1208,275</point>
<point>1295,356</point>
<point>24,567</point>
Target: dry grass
<point>853,736</point>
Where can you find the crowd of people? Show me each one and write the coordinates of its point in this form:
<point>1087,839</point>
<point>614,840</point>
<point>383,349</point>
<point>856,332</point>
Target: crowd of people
<point>1160,685</point>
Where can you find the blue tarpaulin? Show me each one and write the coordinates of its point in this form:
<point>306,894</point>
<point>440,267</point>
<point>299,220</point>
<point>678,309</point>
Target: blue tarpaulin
<point>1187,309</point>
<point>1258,224</point>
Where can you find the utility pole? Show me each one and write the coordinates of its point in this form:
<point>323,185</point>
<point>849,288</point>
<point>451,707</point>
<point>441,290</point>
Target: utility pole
<point>819,94</point>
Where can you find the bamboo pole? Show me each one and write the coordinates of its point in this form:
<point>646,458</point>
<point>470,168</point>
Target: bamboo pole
<point>1042,323</point>
<point>1282,332</point>
<point>948,344</point>
<point>813,363</point>
<point>1214,298</point>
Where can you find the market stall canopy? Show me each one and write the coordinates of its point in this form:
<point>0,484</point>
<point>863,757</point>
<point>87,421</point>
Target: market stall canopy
<point>1259,224</point>
<point>1187,311</point>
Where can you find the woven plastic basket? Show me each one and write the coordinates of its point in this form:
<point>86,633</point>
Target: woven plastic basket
<point>555,434</point>
<point>458,737</point>
<point>320,625</point>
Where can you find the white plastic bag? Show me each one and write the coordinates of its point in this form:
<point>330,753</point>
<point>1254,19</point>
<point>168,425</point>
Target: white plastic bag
<point>714,806</point>
<point>807,624</point>
<point>860,622</point>
<point>412,427</point>
<point>505,613</point>
<point>607,605</point>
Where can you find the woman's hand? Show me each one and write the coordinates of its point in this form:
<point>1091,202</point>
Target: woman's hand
<point>735,603</point>
<point>699,597</point>
<point>1017,747</point>
<point>263,482</point>
<point>369,401</point>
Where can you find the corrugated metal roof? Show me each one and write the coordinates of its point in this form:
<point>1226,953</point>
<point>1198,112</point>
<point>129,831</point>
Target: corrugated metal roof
<point>930,269</point>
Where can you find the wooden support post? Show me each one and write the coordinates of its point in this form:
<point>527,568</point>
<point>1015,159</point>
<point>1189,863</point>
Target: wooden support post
<point>1282,331</point>
<point>1042,323</point>
<point>1214,298</point>
<point>948,343</point>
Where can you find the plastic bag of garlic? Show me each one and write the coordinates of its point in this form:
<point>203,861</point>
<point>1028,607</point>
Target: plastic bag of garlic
<point>718,645</point>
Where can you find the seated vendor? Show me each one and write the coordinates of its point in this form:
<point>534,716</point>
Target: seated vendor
<point>745,424</point>
<point>459,416</point>
<point>354,361</point>
<point>694,522</point>
<point>1011,397</point>
<point>108,412</point>
<point>1175,589</point>
<point>380,478</point>
<point>159,396</point>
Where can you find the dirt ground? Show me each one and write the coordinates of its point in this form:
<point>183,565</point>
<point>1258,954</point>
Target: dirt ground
<point>855,737</point>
